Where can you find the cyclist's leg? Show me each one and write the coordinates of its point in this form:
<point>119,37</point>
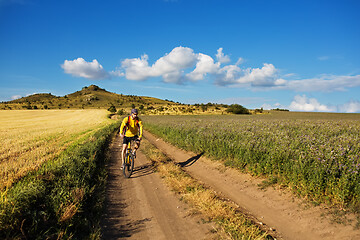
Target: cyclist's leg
<point>137,144</point>
<point>123,152</point>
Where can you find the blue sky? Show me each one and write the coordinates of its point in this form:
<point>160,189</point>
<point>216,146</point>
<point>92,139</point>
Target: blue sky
<point>299,55</point>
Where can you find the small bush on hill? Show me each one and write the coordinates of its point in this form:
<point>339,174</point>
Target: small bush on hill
<point>112,109</point>
<point>120,112</point>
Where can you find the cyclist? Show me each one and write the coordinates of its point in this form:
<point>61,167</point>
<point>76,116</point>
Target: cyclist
<point>131,129</point>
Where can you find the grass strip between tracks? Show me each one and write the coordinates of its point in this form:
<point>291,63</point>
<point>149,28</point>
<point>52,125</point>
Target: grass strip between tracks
<point>203,200</point>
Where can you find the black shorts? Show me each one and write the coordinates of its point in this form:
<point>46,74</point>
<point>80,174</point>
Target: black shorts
<point>126,140</point>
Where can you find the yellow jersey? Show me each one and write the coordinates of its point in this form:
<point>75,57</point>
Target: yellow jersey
<point>131,127</point>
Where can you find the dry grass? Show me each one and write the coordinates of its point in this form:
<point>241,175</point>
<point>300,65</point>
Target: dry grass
<point>203,200</point>
<point>30,137</point>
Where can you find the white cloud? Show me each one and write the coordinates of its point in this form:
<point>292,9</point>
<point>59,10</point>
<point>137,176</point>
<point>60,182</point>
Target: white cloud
<point>221,57</point>
<point>173,67</point>
<point>117,73</point>
<point>15,97</point>
<point>239,61</point>
<point>173,77</point>
<point>267,106</point>
<point>137,68</point>
<point>182,64</point>
<point>228,75</point>
<point>303,103</point>
<point>267,76</point>
<point>325,83</point>
<point>179,58</point>
<point>352,106</point>
<point>205,64</point>
<point>80,68</point>
<point>170,66</point>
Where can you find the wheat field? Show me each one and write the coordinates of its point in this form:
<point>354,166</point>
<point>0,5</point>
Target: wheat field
<point>31,137</point>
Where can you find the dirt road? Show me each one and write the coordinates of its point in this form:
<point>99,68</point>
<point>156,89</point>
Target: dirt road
<point>142,207</point>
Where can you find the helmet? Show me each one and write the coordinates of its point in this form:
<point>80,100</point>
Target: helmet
<point>134,111</point>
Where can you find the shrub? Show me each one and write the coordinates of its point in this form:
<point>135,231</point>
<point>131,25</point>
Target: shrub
<point>120,112</point>
<point>112,109</point>
<point>237,109</point>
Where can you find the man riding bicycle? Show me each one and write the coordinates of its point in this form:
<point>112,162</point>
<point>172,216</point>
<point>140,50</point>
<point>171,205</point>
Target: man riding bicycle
<point>131,129</point>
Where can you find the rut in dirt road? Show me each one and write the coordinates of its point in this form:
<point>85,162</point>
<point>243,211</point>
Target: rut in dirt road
<point>142,207</point>
<point>277,209</point>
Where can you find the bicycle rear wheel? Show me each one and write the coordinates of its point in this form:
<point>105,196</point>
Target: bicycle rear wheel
<point>129,165</point>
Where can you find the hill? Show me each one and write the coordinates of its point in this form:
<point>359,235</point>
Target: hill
<point>35,98</point>
<point>95,97</point>
<point>88,97</point>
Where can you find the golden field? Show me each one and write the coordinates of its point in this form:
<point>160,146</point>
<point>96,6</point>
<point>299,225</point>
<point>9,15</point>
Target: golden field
<point>31,137</point>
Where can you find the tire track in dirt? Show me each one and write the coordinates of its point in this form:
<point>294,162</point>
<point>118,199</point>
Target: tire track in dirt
<point>142,207</point>
<point>277,209</point>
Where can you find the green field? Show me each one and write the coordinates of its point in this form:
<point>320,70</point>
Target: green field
<point>53,161</point>
<point>314,154</point>
<point>53,173</point>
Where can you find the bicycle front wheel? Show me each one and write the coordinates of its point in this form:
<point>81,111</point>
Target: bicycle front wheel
<point>129,165</point>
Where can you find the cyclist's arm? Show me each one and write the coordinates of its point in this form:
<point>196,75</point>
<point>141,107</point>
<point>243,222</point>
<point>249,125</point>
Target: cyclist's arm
<point>123,125</point>
<point>140,129</point>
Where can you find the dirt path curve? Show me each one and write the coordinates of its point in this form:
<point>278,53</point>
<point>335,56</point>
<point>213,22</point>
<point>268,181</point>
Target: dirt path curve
<point>141,207</point>
<point>272,207</point>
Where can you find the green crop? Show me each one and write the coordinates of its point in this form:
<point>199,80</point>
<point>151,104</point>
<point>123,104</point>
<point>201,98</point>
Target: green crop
<point>316,155</point>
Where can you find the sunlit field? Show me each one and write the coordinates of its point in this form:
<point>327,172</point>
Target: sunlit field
<point>315,154</point>
<point>31,137</point>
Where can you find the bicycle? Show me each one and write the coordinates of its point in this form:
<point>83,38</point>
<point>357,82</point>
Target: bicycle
<point>128,167</point>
